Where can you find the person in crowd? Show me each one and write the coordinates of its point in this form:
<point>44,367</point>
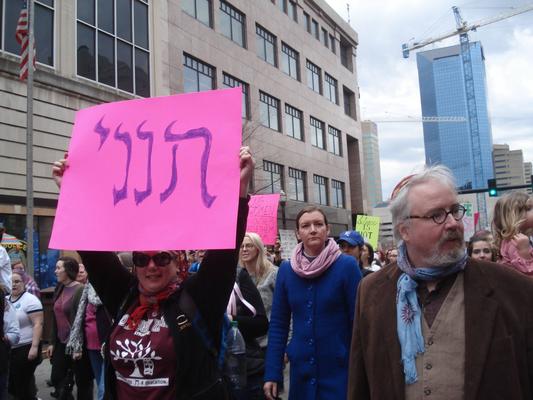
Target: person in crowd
<point>480,248</point>
<point>274,253</point>
<point>26,354</point>
<point>82,276</point>
<point>29,283</point>
<point>195,266</point>
<point>351,243</point>
<point>252,257</point>
<point>5,264</point>
<point>512,224</point>
<point>246,307</point>
<point>9,336</point>
<point>391,256</point>
<point>317,287</point>
<point>367,260</point>
<point>165,339</point>
<point>90,329</point>
<point>438,324</point>
<point>66,302</point>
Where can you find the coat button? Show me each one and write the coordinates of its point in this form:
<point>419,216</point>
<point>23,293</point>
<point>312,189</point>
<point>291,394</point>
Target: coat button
<point>313,381</point>
<point>427,391</point>
<point>309,304</point>
<point>312,360</point>
<point>311,342</point>
<point>430,342</point>
<point>429,366</point>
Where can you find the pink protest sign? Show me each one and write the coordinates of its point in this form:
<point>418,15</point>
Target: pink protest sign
<point>263,217</point>
<point>151,174</point>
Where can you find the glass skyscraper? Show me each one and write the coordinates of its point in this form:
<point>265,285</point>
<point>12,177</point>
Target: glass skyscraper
<point>443,93</point>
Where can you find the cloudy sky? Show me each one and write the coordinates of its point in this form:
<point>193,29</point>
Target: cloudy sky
<point>389,83</point>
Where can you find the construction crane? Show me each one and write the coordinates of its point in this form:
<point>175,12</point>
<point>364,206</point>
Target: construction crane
<point>462,29</point>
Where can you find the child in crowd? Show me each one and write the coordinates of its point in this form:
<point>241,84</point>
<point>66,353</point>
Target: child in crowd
<point>511,225</point>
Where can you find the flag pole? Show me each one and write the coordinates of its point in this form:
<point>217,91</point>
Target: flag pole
<point>29,142</point>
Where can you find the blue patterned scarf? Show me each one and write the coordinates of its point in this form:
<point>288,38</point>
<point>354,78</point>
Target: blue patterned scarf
<point>408,312</point>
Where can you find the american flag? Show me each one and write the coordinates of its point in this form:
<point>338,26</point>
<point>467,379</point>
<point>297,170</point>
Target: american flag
<point>23,39</point>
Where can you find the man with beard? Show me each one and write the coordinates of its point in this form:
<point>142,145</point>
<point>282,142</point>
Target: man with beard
<point>436,324</point>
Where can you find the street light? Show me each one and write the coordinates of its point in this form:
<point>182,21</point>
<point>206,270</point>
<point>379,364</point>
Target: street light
<point>282,203</point>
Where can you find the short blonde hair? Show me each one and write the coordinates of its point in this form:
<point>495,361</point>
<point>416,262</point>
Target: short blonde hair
<point>509,214</point>
<point>262,266</point>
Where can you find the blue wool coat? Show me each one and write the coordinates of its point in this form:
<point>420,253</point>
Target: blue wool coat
<point>322,310</point>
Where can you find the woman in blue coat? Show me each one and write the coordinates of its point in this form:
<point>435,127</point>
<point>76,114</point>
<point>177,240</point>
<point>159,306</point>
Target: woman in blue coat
<point>317,287</point>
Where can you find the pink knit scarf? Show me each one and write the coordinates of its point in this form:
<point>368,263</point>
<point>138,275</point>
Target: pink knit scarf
<point>311,269</point>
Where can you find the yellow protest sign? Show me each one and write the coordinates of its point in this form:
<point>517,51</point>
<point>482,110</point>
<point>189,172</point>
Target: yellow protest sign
<point>368,227</point>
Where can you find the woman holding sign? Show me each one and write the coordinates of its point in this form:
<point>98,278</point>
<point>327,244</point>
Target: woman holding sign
<point>317,287</point>
<point>166,337</point>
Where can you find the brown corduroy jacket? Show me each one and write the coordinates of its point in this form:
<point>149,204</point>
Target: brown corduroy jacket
<point>498,335</point>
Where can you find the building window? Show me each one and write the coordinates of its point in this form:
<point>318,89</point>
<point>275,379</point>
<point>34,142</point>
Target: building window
<point>282,4</point>
<point>347,53</point>
<point>349,102</point>
<point>197,75</point>
<point>313,77</point>
<point>290,61</point>
<point>296,187</point>
<point>199,9</point>
<point>314,30</point>
<point>273,177</point>
<point>232,23</point>
<point>307,22</point>
<point>334,141</point>
<point>330,88</point>
<point>325,37</point>
<point>266,45</point>
<point>292,11</point>
<point>317,133</point>
<point>43,29</point>
<point>113,47</point>
<point>337,193</point>
<point>231,82</point>
<point>332,44</point>
<point>293,122</point>
<point>320,186</point>
<point>269,111</point>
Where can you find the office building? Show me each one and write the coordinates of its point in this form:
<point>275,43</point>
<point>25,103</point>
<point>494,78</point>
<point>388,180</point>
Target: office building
<point>295,62</point>
<point>509,168</point>
<point>372,168</point>
<point>443,93</point>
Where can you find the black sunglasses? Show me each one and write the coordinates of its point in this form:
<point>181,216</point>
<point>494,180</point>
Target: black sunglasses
<point>161,259</point>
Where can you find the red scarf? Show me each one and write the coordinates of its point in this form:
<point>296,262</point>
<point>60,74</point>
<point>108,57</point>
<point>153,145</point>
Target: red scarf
<point>150,303</point>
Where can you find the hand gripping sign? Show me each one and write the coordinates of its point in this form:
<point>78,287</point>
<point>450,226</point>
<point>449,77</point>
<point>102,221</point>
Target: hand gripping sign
<point>150,174</point>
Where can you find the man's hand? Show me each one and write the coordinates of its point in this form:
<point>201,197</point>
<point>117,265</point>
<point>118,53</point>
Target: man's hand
<point>271,390</point>
<point>33,353</point>
<point>50,351</point>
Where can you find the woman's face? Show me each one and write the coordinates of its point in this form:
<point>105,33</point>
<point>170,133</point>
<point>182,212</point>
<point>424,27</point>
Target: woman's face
<point>364,255</point>
<point>313,232</point>
<point>154,278</point>
<point>249,252</point>
<point>481,251</point>
<point>17,284</point>
<point>61,274</point>
<point>82,275</point>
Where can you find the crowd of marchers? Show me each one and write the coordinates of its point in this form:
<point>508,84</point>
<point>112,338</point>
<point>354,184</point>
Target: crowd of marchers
<point>433,317</point>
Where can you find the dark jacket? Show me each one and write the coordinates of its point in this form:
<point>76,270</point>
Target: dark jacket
<point>498,335</point>
<point>197,372</point>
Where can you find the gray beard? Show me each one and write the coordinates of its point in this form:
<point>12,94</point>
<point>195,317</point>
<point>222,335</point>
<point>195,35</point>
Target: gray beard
<point>438,259</point>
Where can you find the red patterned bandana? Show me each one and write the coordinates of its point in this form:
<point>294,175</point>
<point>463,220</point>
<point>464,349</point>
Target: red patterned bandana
<point>150,303</point>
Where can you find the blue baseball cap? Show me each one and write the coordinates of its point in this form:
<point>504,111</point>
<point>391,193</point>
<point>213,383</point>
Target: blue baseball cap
<point>353,238</point>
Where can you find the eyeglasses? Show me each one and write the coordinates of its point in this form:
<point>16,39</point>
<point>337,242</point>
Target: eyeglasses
<point>161,259</point>
<point>479,251</point>
<point>440,215</point>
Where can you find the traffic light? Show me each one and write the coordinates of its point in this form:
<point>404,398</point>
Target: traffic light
<point>493,190</point>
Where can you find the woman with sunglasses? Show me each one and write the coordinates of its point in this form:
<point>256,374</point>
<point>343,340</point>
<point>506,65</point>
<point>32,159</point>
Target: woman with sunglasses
<point>166,337</point>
